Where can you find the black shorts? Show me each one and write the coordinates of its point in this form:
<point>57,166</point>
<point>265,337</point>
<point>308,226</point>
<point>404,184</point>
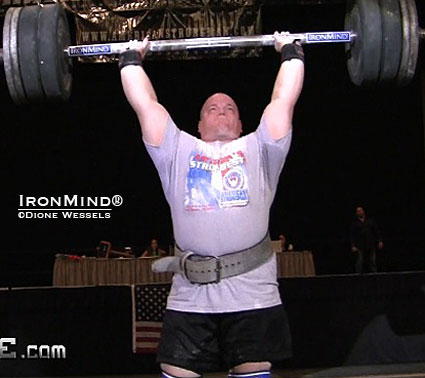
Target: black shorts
<point>209,342</point>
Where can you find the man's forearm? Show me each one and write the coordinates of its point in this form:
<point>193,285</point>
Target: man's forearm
<point>142,97</point>
<point>137,87</point>
<point>289,82</point>
<point>287,89</point>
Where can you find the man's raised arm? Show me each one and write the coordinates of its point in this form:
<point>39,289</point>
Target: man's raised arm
<point>141,95</point>
<point>287,87</point>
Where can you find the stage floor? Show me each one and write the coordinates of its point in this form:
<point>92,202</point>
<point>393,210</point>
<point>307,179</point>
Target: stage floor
<point>416,370</point>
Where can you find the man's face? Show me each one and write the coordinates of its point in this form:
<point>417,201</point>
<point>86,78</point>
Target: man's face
<point>360,212</point>
<point>219,119</point>
<point>154,244</point>
<point>282,239</point>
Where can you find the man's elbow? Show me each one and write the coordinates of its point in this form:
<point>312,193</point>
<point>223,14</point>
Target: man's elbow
<point>283,103</point>
<point>278,125</point>
<point>279,114</point>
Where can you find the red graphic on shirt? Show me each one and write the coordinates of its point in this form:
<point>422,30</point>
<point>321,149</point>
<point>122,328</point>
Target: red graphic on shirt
<point>223,164</point>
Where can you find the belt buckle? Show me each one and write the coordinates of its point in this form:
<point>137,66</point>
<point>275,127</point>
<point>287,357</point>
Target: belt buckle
<point>217,269</point>
<point>183,266</point>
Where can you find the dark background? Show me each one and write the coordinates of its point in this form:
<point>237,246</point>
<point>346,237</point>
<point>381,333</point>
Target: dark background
<point>350,146</point>
<point>329,317</point>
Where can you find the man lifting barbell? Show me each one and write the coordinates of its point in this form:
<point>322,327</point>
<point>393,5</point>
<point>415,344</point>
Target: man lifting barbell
<point>224,304</point>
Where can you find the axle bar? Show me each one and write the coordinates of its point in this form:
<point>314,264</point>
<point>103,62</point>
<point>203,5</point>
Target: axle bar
<point>206,43</point>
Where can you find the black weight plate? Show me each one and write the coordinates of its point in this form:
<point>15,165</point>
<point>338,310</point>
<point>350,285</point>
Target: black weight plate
<point>392,37</point>
<point>28,53</point>
<point>414,38</point>
<point>11,56</point>
<point>6,55</point>
<point>364,54</point>
<point>410,47</point>
<point>14,55</point>
<point>354,50</point>
<point>402,77</point>
<point>55,66</point>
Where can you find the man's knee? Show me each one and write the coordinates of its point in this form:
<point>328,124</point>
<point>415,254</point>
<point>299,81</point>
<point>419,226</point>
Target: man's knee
<point>251,370</point>
<point>170,371</point>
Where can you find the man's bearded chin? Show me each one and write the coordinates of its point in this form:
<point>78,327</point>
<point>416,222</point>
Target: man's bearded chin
<point>222,136</point>
<point>223,126</point>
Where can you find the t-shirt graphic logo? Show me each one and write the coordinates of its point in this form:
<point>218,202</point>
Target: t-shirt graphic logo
<point>216,183</point>
<point>233,179</point>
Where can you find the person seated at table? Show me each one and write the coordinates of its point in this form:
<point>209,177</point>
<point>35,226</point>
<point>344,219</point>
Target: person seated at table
<point>285,247</point>
<point>153,250</point>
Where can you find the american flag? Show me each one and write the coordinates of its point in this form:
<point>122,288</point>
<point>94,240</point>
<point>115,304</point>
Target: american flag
<point>149,302</point>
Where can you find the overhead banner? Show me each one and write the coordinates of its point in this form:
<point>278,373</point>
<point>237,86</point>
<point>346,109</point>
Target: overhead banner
<point>107,21</point>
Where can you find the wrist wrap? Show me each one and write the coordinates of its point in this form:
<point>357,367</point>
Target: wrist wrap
<point>291,51</point>
<point>129,58</point>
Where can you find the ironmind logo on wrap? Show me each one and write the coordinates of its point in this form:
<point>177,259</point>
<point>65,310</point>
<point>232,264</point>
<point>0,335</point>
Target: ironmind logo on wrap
<point>67,207</point>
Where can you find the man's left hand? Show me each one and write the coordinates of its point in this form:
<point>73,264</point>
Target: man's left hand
<point>282,39</point>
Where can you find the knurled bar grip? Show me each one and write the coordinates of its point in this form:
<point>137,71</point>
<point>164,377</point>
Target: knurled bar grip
<point>206,43</point>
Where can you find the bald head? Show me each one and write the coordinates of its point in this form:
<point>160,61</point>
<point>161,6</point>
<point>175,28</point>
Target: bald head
<point>219,119</point>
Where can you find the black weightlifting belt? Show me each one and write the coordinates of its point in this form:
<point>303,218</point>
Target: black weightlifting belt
<point>212,269</point>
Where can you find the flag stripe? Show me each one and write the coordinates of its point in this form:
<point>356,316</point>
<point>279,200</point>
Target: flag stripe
<point>148,345</point>
<point>148,334</point>
<point>147,339</point>
<point>148,329</point>
<point>150,324</point>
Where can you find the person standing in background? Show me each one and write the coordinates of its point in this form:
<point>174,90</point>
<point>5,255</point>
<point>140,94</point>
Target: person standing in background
<point>365,238</point>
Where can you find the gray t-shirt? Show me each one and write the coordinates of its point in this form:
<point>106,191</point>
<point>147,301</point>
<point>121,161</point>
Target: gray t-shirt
<point>220,195</point>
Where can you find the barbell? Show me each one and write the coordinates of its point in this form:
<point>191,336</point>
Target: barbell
<point>381,42</point>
